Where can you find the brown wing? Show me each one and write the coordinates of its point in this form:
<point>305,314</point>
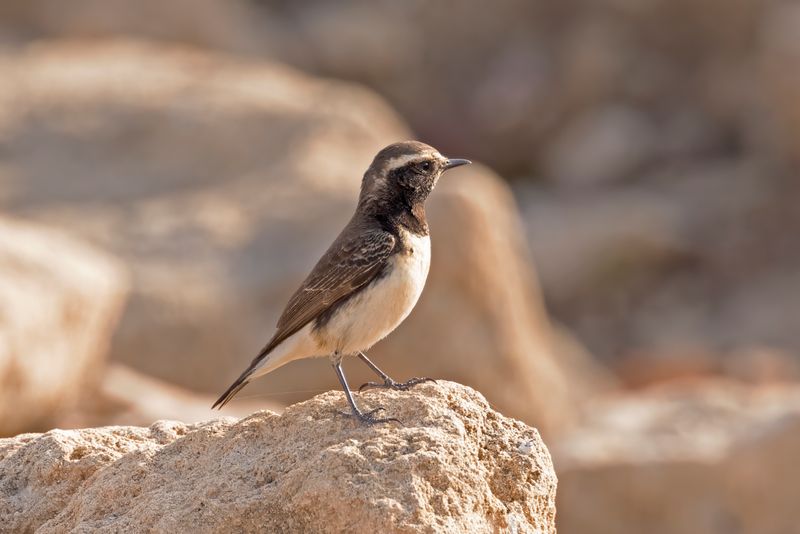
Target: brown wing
<point>349,264</point>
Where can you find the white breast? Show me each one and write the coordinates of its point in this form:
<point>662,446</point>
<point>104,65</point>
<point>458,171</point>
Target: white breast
<point>375,311</point>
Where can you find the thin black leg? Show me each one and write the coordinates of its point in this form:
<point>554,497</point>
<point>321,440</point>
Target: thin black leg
<point>374,367</point>
<point>388,382</point>
<point>366,417</point>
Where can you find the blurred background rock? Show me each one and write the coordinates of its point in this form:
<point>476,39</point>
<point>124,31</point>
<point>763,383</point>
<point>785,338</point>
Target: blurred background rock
<point>206,152</point>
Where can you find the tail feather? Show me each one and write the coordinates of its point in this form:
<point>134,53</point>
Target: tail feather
<point>244,378</point>
<point>265,362</point>
<point>240,382</point>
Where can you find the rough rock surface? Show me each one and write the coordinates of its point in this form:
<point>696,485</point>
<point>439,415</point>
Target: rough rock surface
<point>455,465</point>
<point>220,182</point>
<point>59,302</point>
<point>708,457</point>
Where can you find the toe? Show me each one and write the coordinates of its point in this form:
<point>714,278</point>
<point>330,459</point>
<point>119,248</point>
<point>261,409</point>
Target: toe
<point>418,380</point>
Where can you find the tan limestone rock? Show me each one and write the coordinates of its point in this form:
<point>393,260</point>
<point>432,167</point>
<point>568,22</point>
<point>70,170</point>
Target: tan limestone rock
<point>454,465</point>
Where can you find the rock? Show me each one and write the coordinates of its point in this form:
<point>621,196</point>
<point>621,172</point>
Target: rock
<point>454,465</point>
<point>59,302</point>
<point>127,397</point>
<point>708,457</point>
<point>220,183</point>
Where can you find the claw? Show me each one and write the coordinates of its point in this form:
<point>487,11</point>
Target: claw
<point>369,417</point>
<point>365,417</point>
<point>391,384</point>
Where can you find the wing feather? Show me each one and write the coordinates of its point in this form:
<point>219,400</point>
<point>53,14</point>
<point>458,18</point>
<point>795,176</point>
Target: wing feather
<point>347,266</point>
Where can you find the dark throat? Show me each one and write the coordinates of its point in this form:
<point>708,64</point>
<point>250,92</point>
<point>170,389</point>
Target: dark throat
<point>397,213</point>
<point>413,219</point>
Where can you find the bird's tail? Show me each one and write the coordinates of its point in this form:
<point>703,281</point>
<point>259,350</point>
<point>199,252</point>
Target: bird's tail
<point>256,365</point>
<point>279,351</point>
<point>240,382</point>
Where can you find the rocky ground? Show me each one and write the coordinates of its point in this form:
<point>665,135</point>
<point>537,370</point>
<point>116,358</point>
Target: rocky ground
<point>454,464</point>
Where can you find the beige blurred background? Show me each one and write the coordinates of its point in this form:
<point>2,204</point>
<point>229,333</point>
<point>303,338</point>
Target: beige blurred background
<point>621,269</point>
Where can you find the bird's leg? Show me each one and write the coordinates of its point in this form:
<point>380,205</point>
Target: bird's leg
<point>388,382</point>
<point>365,417</point>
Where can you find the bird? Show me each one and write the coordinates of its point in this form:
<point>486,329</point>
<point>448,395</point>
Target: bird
<point>368,280</point>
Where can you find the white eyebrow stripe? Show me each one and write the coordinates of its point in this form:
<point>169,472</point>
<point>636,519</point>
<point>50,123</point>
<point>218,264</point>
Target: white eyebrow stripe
<point>398,161</point>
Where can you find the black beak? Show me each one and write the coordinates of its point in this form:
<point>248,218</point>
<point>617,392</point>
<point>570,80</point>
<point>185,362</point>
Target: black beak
<point>456,163</point>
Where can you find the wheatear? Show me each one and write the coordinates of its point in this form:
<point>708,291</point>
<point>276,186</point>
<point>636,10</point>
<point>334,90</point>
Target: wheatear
<point>369,279</point>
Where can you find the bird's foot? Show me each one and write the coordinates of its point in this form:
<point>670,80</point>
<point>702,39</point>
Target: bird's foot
<point>391,384</point>
<point>369,417</point>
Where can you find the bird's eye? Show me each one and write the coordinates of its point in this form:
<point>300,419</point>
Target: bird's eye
<point>425,166</point>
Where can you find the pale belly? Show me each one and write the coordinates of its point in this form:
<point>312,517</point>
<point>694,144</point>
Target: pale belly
<point>374,312</point>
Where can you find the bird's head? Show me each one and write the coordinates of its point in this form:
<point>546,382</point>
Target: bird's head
<point>404,173</point>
